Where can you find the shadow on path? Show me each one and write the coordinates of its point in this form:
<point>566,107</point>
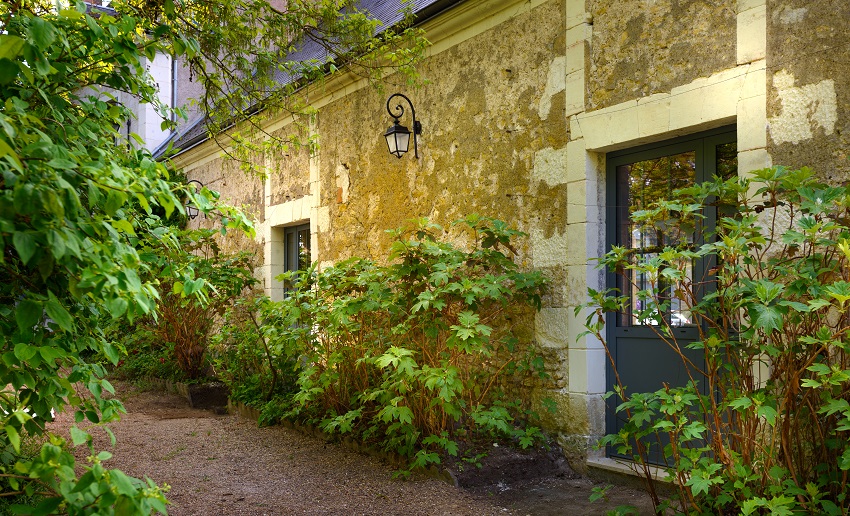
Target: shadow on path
<point>226,465</point>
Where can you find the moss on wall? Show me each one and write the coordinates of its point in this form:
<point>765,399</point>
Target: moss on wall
<point>237,188</point>
<point>481,130</point>
<point>289,169</point>
<point>808,93</point>
<point>640,48</point>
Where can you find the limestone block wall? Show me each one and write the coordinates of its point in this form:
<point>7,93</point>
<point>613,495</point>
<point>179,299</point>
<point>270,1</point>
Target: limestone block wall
<point>639,48</point>
<point>808,88</point>
<point>288,169</point>
<point>648,71</point>
<point>522,102</point>
<point>237,188</point>
<point>493,143</point>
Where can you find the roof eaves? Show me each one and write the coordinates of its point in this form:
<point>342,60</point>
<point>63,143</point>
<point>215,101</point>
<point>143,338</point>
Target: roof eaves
<point>390,13</point>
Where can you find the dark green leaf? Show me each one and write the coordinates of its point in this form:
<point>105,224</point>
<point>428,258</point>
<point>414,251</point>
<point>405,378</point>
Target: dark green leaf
<point>117,306</point>
<point>48,506</point>
<point>79,436</point>
<point>10,46</point>
<point>58,313</point>
<point>8,71</point>
<point>122,482</point>
<point>25,352</point>
<point>6,150</point>
<point>111,353</point>
<point>28,313</point>
<point>114,201</point>
<point>14,437</point>
<point>768,318</point>
<point>25,244</point>
<point>41,32</point>
<point>50,354</point>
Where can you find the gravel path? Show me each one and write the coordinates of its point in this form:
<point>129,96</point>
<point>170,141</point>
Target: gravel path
<point>226,465</point>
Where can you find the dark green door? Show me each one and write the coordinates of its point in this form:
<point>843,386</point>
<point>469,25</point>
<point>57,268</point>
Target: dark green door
<point>637,178</point>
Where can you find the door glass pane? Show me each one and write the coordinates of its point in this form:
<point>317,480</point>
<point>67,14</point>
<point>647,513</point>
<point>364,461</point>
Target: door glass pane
<point>639,185</point>
<point>727,160</point>
<point>303,248</point>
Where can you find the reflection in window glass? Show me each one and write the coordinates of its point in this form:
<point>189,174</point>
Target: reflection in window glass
<point>639,185</point>
<point>727,160</point>
<point>296,249</point>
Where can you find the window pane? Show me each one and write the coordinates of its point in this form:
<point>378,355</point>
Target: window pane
<point>296,250</point>
<point>639,185</point>
<point>303,248</point>
<point>727,160</point>
<point>290,252</point>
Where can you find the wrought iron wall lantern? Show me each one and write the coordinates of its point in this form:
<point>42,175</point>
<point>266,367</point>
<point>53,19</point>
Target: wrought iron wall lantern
<point>397,135</point>
<point>192,211</point>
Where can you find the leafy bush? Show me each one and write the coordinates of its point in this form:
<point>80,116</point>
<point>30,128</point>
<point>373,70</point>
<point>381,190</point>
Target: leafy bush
<point>773,433</point>
<point>257,375</point>
<point>409,356</point>
<point>76,200</point>
<point>197,282</point>
<point>146,357</point>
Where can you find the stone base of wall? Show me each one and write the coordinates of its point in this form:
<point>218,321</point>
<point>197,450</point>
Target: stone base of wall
<point>207,396</point>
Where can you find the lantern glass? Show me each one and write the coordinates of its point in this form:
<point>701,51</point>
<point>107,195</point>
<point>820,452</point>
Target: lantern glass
<point>398,139</point>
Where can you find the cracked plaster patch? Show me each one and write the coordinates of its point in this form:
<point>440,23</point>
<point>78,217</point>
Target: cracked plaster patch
<point>555,83</point>
<point>790,16</point>
<point>550,166</point>
<point>803,109</point>
<point>548,252</point>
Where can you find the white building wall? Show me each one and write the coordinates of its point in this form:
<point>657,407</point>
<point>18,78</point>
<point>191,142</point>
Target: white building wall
<point>149,123</point>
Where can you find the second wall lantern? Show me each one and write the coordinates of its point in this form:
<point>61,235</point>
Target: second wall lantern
<point>397,135</point>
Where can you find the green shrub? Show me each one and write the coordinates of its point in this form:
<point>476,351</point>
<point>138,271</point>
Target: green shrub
<point>197,281</point>
<point>146,357</point>
<point>773,433</point>
<point>242,358</point>
<point>28,450</point>
<point>407,356</point>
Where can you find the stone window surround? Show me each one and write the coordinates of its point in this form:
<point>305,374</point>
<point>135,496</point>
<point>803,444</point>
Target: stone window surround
<point>735,96</point>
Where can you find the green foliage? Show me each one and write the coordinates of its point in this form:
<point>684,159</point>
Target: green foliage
<point>146,357</point>
<point>258,375</point>
<point>27,448</point>
<point>237,51</point>
<point>77,203</point>
<point>408,356</point>
<point>80,206</point>
<point>773,435</point>
<point>197,282</point>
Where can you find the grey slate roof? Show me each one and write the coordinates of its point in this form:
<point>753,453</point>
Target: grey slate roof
<point>389,12</point>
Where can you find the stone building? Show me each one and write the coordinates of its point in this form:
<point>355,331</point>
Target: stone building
<point>531,111</point>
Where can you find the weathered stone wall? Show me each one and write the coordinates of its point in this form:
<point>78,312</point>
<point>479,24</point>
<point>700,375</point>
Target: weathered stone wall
<point>493,143</point>
<point>237,189</point>
<point>485,143</point>
<point>808,91</point>
<point>639,48</point>
<point>289,171</point>
<point>517,120</point>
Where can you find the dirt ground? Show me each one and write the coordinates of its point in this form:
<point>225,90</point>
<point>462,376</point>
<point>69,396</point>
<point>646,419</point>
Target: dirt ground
<point>226,465</point>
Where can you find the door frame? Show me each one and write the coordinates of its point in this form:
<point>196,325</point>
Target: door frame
<point>705,144</point>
